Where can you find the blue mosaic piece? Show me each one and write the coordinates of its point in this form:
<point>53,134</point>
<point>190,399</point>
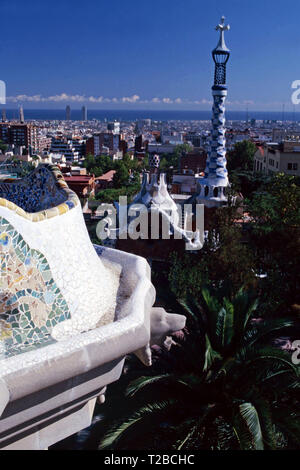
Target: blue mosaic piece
<point>37,191</point>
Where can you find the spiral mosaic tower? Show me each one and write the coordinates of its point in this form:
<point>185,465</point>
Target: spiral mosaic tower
<point>216,177</point>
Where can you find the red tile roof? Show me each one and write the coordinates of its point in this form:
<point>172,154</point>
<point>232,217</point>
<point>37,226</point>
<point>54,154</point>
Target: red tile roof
<point>107,176</point>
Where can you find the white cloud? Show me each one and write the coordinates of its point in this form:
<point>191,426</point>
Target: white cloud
<point>134,99</point>
<point>130,99</point>
<point>93,99</point>
<point>18,98</point>
<point>65,97</point>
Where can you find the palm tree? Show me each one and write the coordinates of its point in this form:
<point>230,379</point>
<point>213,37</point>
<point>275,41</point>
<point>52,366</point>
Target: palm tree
<point>221,388</point>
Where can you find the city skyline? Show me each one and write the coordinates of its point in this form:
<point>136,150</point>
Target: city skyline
<point>113,58</point>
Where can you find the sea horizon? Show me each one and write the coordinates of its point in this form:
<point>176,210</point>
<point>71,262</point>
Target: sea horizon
<point>155,115</point>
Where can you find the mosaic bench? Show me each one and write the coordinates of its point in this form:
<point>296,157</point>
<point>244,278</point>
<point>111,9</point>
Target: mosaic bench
<point>69,313</point>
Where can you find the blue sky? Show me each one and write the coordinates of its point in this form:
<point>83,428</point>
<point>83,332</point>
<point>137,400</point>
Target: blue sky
<point>147,54</point>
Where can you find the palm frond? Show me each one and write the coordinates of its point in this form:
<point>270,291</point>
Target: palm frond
<point>139,384</point>
<point>247,427</point>
<point>265,417</point>
<point>211,306</point>
<point>187,437</point>
<point>188,310</point>
<point>210,355</point>
<point>270,354</point>
<point>244,305</point>
<point>224,324</point>
<point>258,332</point>
<point>118,430</point>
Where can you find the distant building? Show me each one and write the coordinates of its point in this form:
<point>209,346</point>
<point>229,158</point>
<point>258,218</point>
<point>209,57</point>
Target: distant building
<point>68,113</point>
<point>123,146</point>
<point>194,161</point>
<point>280,134</point>
<point>21,114</point>
<point>66,148</point>
<point>96,144</point>
<point>274,157</point>
<point>84,113</point>
<point>161,148</point>
<point>105,181</point>
<point>138,143</point>
<point>43,143</point>
<point>80,146</point>
<point>193,138</point>
<point>21,135</point>
<point>175,138</point>
<point>184,183</point>
<point>82,185</point>
<point>114,127</point>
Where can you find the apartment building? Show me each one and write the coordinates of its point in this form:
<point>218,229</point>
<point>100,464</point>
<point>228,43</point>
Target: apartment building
<point>274,157</point>
<point>65,148</point>
<point>98,142</point>
<point>20,135</point>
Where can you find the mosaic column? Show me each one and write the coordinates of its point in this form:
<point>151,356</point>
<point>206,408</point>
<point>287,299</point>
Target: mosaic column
<point>216,176</point>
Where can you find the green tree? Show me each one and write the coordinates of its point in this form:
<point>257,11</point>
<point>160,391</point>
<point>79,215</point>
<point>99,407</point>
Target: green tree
<point>247,182</point>
<point>98,165</point>
<point>3,146</point>
<point>181,149</point>
<point>275,238</point>
<point>241,157</point>
<point>225,258</point>
<point>121,177</point>
<point>222,387</point>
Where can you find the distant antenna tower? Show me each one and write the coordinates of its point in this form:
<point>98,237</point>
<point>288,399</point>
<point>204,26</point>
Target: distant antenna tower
<point>247,114</point>
<point>283,109</point>
<point>294,116</point>
<point>4,119</point>
<point>21,114</point>
<point>68,113</point>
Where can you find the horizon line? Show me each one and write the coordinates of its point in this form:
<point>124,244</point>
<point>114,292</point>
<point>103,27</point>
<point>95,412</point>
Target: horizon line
<point>150,110</point>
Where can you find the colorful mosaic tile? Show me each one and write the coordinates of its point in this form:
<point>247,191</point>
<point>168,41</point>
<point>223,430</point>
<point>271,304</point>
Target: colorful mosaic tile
<point>31,303</point>
<point>40,195</point>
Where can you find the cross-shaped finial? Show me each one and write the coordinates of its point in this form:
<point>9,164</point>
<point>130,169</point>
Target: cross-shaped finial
<point>222,27</point>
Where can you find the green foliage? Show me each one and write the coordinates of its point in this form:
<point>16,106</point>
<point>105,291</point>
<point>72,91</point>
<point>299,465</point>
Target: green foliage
<point>278,206</point>
<point>171,160</point>
<point>98,165</point>
<point>181,149</point>
<point>246,182</point>
<point>275,239</point>
<point>3,146</point>
<point>241,157</point>
<point>219,389</point>
<point>111,195</point>
<point>225,385</point>
<point>121,177</point>
<point>103,163</point>
<point>223,260</point>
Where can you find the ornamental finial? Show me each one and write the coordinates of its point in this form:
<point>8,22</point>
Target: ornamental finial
<point>222,27</point>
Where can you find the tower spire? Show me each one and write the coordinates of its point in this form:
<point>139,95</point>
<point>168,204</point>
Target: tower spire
<point>222,28</point>
<point>216,177</point>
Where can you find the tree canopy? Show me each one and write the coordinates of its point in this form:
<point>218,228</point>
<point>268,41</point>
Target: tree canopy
<point>241,157</point>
